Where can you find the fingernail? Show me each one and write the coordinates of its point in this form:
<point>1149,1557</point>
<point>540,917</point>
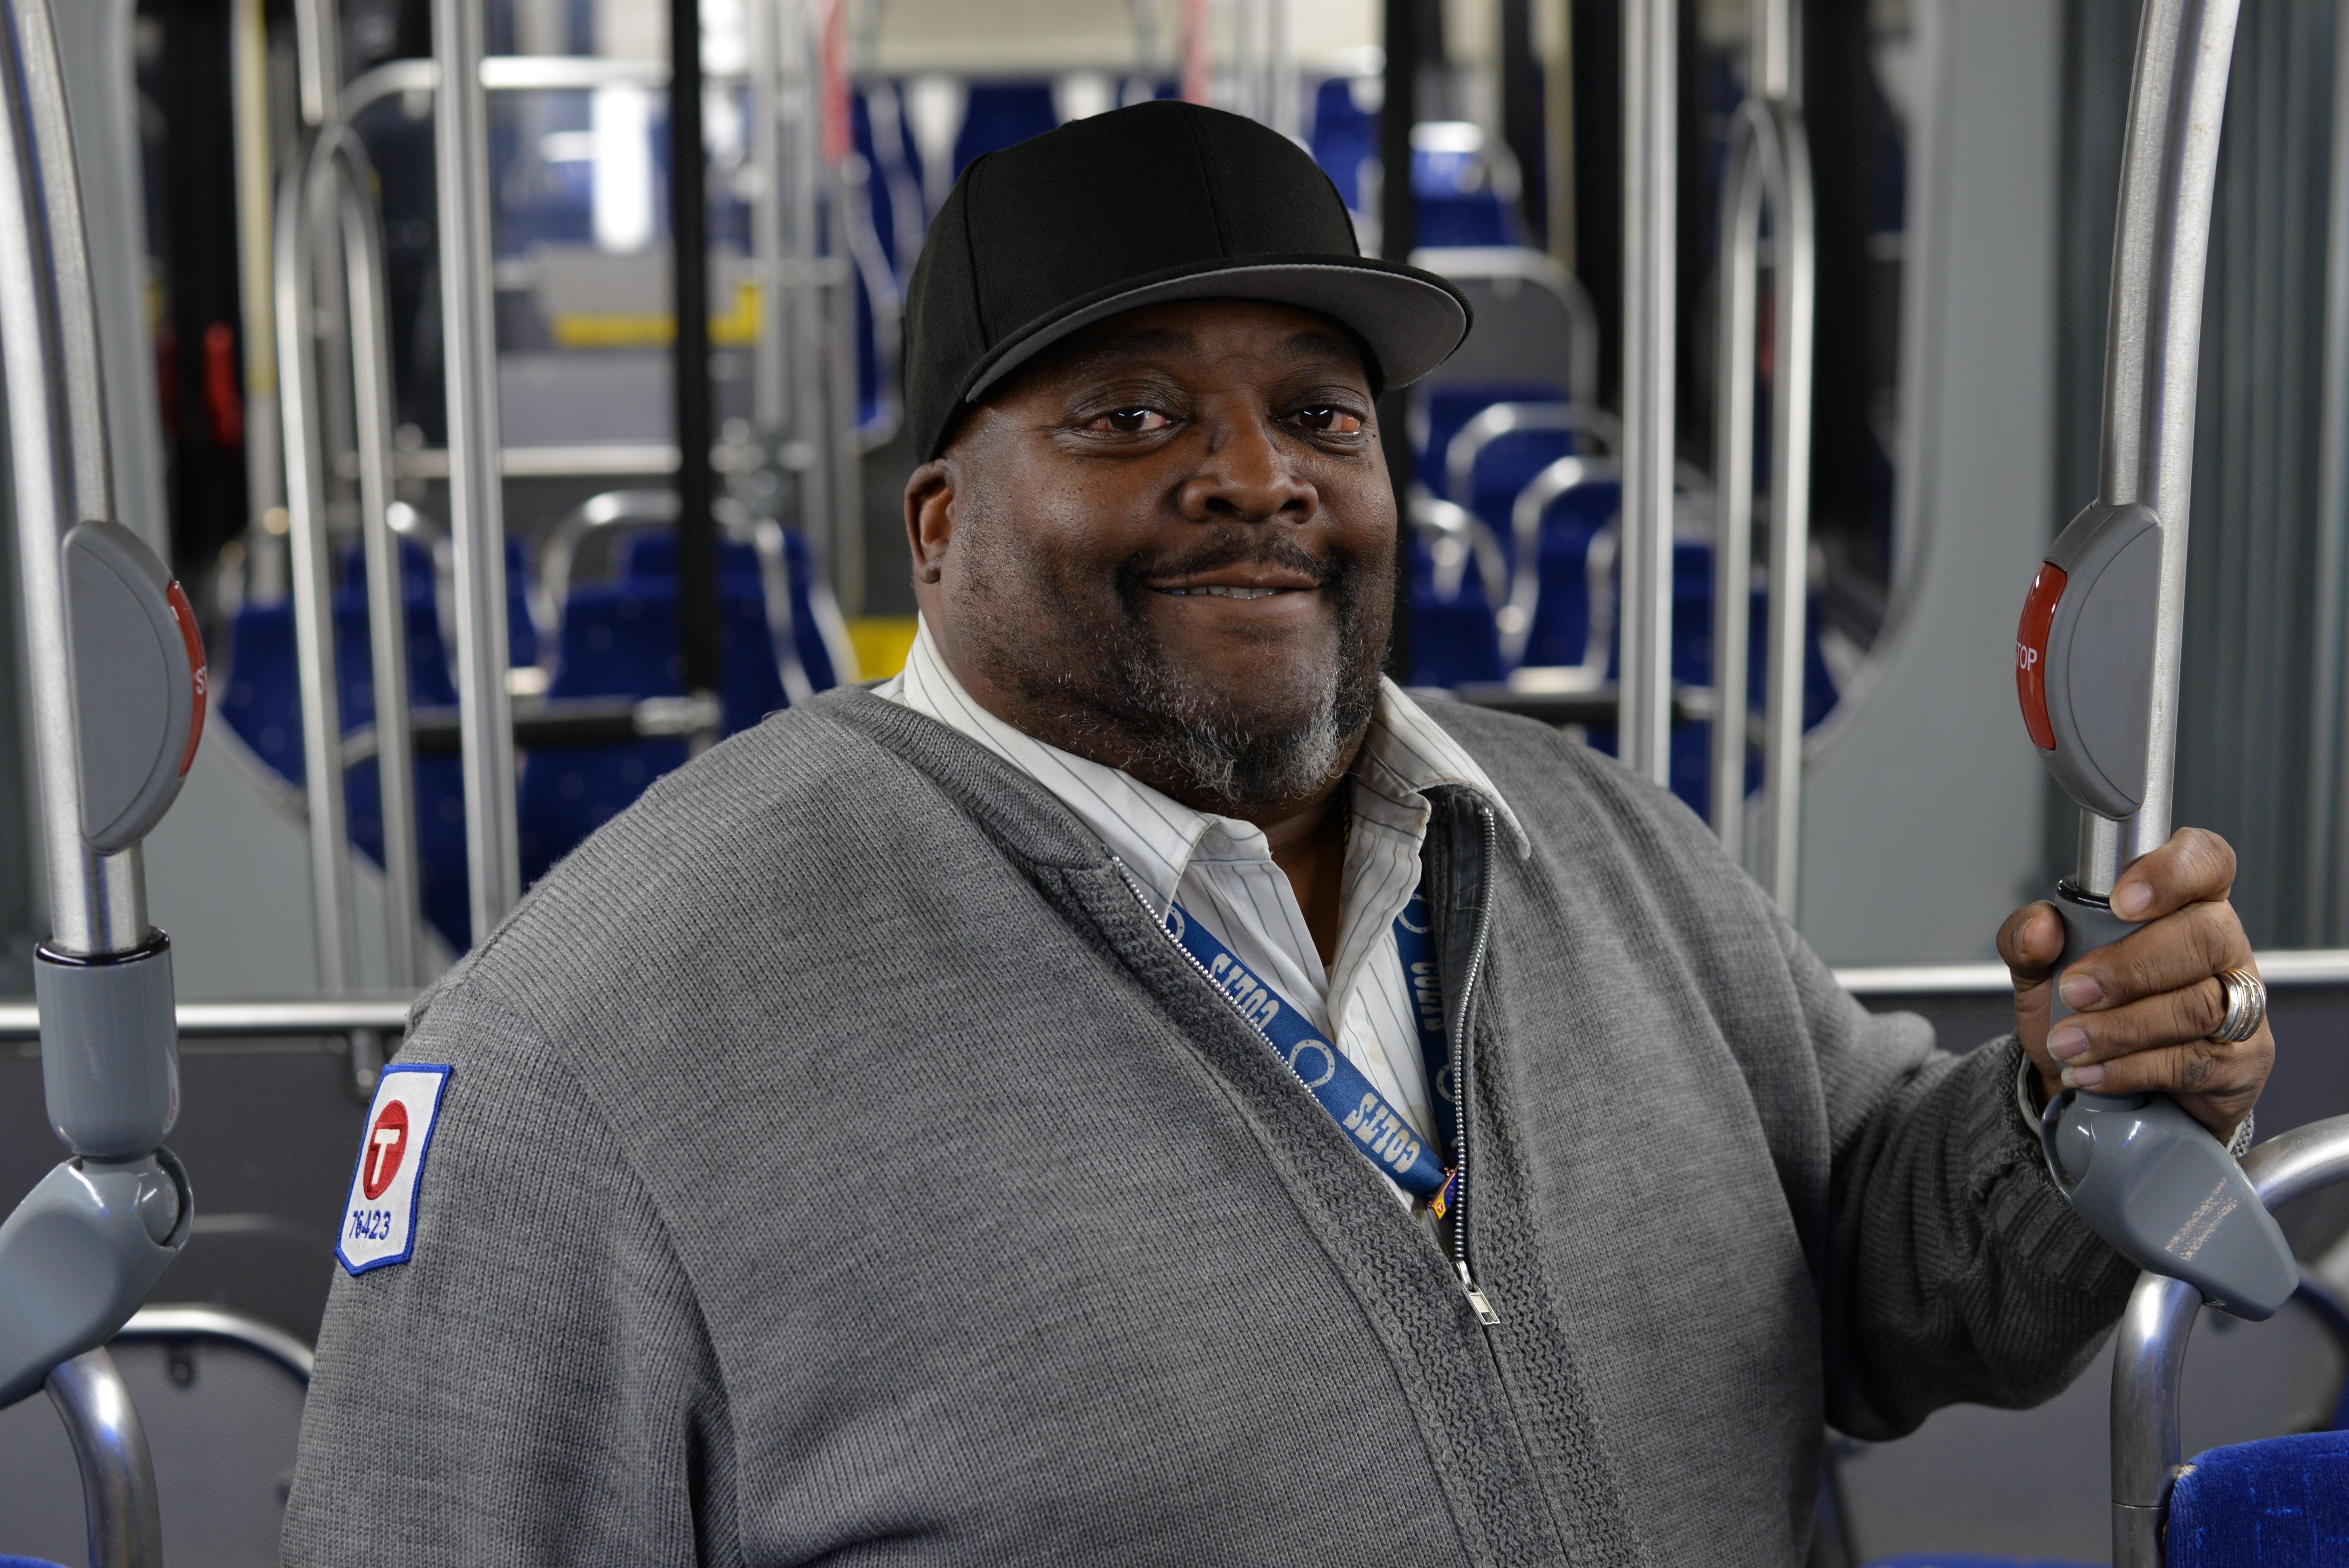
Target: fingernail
<point>2088,1077</point>
<point>2067,1042</point>
<point>2131,900</point>
<point>2080,990</point>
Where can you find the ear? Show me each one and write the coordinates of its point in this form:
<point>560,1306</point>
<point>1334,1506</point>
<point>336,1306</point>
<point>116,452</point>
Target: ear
<point>929,516</point>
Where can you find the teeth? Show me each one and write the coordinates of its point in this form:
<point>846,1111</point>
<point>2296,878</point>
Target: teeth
<point>1223,592</point>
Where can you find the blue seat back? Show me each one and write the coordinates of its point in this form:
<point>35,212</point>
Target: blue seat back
<point>1345,135</point>
<point>2280,1503</point>
<point>619,638</point>
<point>997,114</point>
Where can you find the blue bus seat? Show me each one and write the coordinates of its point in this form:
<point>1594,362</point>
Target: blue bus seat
<point>652,558</point>
<point>2281,1503</point>
<point>619,638</point>
<point>1458,197</point>
<point>997,114</point>
<point>1455,641</point>
<point>1445,406</point>
<point>1345,133</point>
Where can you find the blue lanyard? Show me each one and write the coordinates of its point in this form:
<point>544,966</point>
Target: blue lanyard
<point>1379,1130</point>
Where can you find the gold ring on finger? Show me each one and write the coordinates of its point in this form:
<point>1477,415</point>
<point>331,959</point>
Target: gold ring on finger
<point>2247,1005</point>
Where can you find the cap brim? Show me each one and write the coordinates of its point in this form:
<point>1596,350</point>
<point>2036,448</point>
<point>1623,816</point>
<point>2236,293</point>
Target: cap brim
<point>1411,319</point>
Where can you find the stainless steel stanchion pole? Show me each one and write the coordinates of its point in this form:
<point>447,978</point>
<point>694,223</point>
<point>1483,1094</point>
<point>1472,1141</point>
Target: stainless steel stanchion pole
<point>312,588</point>
<point>1769,171</point>
<point>476,503</point>
<point>2096,669</point>
<point>118,685</point>
<point>371,406</point>
<point>1650,188</point>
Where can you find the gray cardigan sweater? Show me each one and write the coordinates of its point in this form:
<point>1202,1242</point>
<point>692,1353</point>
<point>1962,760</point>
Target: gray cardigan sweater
<point>839,1165</point>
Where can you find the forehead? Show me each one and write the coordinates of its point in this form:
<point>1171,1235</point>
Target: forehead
<point>1190,335</point>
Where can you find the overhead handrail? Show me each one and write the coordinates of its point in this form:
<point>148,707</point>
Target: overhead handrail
<point>1769,172</point>
<point>2149,1350</point>
<point>1651,248</point>
<point>108,635</point>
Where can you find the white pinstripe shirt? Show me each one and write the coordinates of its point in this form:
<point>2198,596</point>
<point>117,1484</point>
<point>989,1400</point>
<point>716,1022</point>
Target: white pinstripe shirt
<point>1221,871</point>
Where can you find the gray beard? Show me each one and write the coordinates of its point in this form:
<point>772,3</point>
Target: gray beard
<point>1115,690</point>
<point>1225,760</point>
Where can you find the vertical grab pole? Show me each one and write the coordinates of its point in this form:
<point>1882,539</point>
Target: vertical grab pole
<point>831,113</point>
<point>809,451</point>
<point>1650,148</point>
<point>1732,456</point>
<point>769,358</point>
<point>476,503</point>
<point>1769,171</point>
<point>371,407</point>
<point>48,333</point>
<point>699,614</point>
<point>2153,346</point>
<point>1793,277</point>
<point>2096,672</point>
<point>312,591</point>
<point>108,634</point>
<point>249,78</point>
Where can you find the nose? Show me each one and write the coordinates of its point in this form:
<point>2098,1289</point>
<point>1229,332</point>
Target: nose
<point>1247,476</point>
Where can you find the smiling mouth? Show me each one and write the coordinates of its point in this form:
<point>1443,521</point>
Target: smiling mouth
<point>1220,591</point>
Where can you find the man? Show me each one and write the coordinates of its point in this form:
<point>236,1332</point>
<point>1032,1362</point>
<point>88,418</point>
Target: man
<point>1138,1088</point>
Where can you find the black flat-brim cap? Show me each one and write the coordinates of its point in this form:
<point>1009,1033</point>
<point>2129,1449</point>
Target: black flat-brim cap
<point>1162,201</point>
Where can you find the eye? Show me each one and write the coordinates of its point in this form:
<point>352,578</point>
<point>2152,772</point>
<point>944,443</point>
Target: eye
<point>1326,422</point>
<point>1129,422</point>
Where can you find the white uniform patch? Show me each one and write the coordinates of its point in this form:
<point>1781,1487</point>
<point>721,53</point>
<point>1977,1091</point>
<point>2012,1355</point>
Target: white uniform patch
<point>379,1221</point>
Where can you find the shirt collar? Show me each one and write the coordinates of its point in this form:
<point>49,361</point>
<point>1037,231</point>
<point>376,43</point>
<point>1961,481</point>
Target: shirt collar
<point>1404,755</point>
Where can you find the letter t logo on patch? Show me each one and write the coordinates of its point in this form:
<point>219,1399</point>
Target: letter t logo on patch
<point>378,1226</point>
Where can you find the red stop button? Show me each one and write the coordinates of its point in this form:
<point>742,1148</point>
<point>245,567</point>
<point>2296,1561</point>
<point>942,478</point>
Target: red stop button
<point>2031,653</point>
<point>185,613</point>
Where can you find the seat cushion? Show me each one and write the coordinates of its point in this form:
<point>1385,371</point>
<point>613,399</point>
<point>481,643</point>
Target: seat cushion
<point>2280,1503</point>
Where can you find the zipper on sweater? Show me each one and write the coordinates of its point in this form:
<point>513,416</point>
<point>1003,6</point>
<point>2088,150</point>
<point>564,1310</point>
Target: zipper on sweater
<point>1142,899</point>
<point>1483,1308</point>
<point>1462,1077</point>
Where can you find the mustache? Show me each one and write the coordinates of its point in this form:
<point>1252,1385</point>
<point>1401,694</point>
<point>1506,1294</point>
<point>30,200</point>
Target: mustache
<point>1247,546</point>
